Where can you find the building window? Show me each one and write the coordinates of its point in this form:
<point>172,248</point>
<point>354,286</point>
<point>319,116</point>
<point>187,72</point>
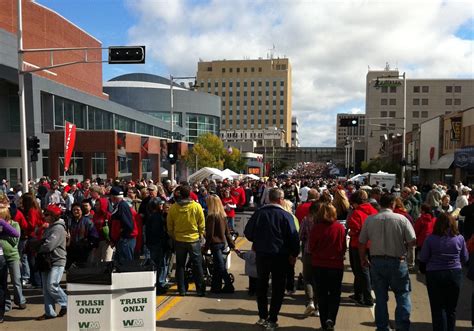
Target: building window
<point>252,69</point>
<point>238,93</point>
<point>457,89</point>
<point>392,114</point>
<point>393,102</point>
<point>416,102</point>
<point>252,83</point>
<point>424,102</point>
<point>416,89</point>
<point>230,94</point>
<point>449,102</point>
<point>245,69</point>
<point>449,89</point>
<point>416,114</point>
<point>424,114</point>
<point>383,114</point>
<point>282,83</point>
<point>393,89</point>
<point>231,84</point>
<point>425,89</point>
<point>281,93</point>
<point>238,69</point>
<point>457,102</point>
<point>208,84</point>
<point>267,93</point>
<point>281,102</point>
<point>230,69</point>
<point>415,126</point>
<point>274,83</point>
<point>384,89</point>
<point>223,70</point>
<point>259,69</point>
<point>383,102</point>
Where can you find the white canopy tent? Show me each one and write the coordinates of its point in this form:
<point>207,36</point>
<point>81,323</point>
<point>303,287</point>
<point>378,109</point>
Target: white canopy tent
<point>230,174</point>
<point>207,172</point>
<point>252,176</point>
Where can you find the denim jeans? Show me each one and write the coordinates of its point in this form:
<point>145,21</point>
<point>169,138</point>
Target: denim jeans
<point>25,268</point>
<point>15,277</point>
<point>391,273</point>
<point>443,290</point>
<point>35,275</point>
<point>277,266</point>
<point>308,279</point>
<point>52,291</point>
<point>3,284</point>
<point>231,223</point>
<point>124,250</point>
<point>328,288</point>
<point>219,271</point>
<point>194,251</point>
<point>362,286</point>
<point>158,255</point>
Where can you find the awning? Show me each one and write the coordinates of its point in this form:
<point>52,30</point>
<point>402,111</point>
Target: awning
<point>445,161</point>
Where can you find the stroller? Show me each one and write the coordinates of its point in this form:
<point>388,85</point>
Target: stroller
<point>208,265</point>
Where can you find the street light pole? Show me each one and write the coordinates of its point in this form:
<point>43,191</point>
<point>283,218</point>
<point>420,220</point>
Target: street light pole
<point>172,168</point>
<point>402,181</point>
<point>21,94</point>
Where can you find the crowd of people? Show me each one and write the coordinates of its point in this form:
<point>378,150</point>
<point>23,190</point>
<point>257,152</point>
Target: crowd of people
<point>392,233</point>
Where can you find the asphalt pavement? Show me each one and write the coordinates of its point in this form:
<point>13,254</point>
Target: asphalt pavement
<point>238,311</point>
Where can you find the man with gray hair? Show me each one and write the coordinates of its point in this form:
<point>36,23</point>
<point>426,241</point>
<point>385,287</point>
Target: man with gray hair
<point>275,240</point>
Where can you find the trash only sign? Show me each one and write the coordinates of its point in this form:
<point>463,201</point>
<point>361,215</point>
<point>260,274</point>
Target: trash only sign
<point>128,303</point>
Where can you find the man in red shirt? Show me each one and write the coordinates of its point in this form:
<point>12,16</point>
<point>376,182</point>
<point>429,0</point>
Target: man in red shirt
<point>239,194</point>
<point>303,210</point>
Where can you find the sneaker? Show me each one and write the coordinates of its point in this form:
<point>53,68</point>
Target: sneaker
<point>271,326</point>
<point>329,325</point>
<point>309,309</point>
<point>22,306</point>
<point>355,299</point>
<point>290,293</point>
<point>228,289</point>
<point>261,322</point>
<point>62,312</point>
<point>316,313</point>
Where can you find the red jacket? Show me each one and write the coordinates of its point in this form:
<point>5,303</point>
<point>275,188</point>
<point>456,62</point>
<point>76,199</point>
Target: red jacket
<point>232,201</point>
<point>239,195</point>
<point>327,245</point>
<point>100,216</point>
<point>303,210</point>
<point>34,224</point>
<point>193,196</point>
<point>356,220</point>
<point>423,228</point>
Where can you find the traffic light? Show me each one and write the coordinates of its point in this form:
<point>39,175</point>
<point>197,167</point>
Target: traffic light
<point>126,54</point>
<point>172,152</point>
<point>349,121</point>
<point>33,145</point>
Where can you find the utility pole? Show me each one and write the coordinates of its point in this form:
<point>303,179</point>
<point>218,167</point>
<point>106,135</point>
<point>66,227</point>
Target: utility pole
<point>21,95</point>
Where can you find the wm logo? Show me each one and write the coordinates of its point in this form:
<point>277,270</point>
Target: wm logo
<point>85,326</point>
<point>135,323</point>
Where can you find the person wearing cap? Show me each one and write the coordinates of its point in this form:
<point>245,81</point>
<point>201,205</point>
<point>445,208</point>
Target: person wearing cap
<point>143,209</point>
<point>123,231</point>
<point>53,245</point>
<point>186,227</point>
<point>434,197</point>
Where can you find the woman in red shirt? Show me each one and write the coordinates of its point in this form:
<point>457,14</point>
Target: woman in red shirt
<point>229,203</point>
<point>327,244</point>
<point>424,225</point>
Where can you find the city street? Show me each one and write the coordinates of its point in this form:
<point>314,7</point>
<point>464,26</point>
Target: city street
<point>239,312</point>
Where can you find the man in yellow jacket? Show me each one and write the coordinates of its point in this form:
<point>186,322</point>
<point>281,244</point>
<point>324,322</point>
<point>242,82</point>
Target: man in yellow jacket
<point>186,227</point>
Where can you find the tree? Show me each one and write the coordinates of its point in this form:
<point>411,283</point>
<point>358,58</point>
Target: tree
<point>233,160</point>
<point>209,151</point>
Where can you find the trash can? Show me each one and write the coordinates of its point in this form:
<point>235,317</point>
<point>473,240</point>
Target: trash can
<point>241,219</point>
<point>118,301</point>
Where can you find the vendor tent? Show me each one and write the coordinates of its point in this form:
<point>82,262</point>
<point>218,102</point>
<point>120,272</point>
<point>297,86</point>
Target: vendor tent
<point>252,176</point>
<point>230,174</point>
<point>207,172</point>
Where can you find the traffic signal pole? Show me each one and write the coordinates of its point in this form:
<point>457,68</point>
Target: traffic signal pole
<point>21,95</point>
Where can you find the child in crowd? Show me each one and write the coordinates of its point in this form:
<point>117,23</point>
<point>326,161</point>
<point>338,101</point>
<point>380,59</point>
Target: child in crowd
<point>250,269</point>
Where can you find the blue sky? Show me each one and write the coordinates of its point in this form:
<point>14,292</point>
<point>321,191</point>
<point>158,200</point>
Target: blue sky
<point>329,47</point>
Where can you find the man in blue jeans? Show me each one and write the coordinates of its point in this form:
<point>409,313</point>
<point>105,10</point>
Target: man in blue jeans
<point>390,234</point>
<point>123,227</point>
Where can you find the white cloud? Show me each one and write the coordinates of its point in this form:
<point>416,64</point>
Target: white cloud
<point>329,43</point>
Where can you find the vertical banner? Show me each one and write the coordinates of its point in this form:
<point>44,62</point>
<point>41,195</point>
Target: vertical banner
<point>144,150</point>
<point>456,128</point>
<point>69,141</point>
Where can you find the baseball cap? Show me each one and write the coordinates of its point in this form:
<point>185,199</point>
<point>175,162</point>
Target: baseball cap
<point>152,187</point>
<point>116,192</point>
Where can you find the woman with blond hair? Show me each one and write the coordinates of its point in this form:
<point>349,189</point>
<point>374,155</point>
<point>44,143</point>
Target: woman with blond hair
<point>327,245</point>
<point>290,276</point>
<point>12,257</point>
<point>217,234</point>
<point>341,203</point>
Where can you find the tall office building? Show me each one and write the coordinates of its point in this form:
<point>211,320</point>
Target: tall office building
<point>348,133</point>
<point>295,139</point>
<point>255,94</point>
<point>425,99</point>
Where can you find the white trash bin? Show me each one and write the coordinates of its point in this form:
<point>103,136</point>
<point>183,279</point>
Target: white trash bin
<point>129,302</point>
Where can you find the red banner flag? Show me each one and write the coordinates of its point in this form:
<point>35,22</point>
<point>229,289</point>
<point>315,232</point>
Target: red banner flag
<point>69,141</point>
